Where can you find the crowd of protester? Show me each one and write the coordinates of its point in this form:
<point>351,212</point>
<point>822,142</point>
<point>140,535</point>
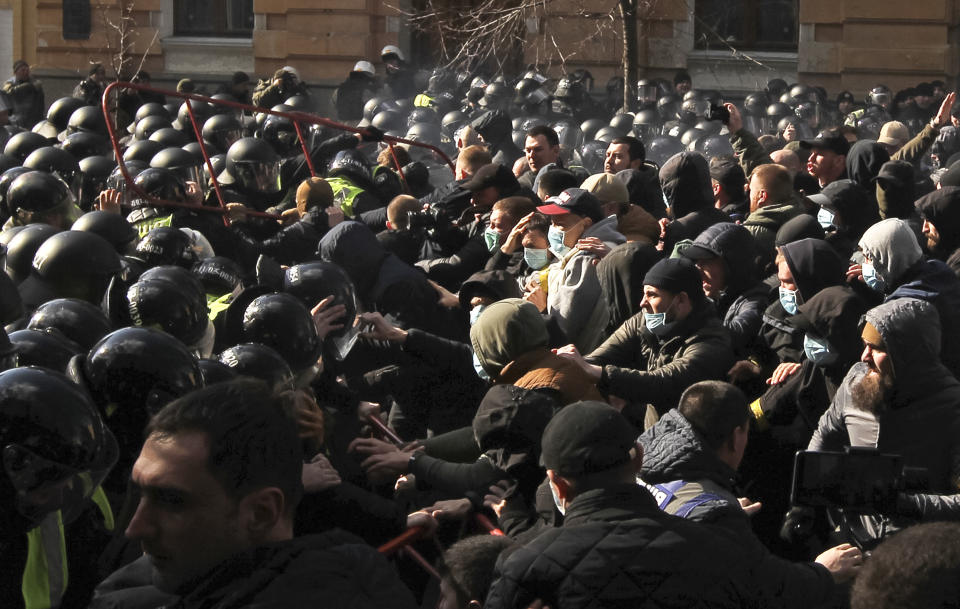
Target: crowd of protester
<point>245,352</point>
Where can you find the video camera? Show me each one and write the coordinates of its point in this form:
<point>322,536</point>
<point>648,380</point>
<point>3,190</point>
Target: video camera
<point>859,480</point>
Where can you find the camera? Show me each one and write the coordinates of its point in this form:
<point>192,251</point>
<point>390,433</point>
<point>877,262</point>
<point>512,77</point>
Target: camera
<point>718,112</point>
<point>427,219</point>
<point>858,480</point>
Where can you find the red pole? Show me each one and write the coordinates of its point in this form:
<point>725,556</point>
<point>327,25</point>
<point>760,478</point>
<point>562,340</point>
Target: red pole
<point>405,538</point>
<point>384,430</point>
<point>115,143</point>
<point>206,159</point>
<point>396,163</point>
<point>306,151</point>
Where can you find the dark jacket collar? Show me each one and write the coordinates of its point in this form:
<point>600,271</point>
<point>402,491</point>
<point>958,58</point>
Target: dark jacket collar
<point>610,504</point>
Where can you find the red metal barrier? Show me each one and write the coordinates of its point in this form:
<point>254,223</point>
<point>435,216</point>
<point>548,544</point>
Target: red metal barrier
<point>385,431</point>
<point>296,117</point>
<point>402,543</point>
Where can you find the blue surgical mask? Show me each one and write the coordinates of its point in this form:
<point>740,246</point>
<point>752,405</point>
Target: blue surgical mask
<point>788,300</point>
<point>555,236</point>
<point>479,368</point>
<point>818,350</point>
<point>475,313</point>
<point>657,323</point>
<point>536,258</point>
<point>492,238</point>
<point>825,218</point>
<point>870,277</point>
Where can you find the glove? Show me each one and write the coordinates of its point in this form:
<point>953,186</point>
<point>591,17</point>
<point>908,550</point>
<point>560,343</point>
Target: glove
<point>371,134</point>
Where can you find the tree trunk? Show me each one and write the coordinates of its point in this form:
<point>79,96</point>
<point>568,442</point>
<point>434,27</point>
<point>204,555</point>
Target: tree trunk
<point>628,15</point>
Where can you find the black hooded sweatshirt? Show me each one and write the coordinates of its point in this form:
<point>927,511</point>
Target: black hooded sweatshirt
<point>814,265</point>
<point>685,180</point>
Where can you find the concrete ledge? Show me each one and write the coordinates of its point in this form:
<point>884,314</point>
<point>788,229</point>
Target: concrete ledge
<point>735,73</point>
<point>214,55</point>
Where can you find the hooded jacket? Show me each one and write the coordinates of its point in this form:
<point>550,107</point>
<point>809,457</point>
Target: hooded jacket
<point>496,130</point>
<point>856,210</point>
<point>384,283</point>
<point>764,223</point>
<point>814,266</point>
<point>685,179</point>
<point>919,420</point>
<point>793,407</point>
<point>621,274</point>
<point>674,451</point>
<point>897,257</point>
<point>864,161</point>
<point>942,209</point>
<point>643,185</point>
<point>644,369</point>
<point>742,303</point>
<point>574,296</point>
<point>510,342</point>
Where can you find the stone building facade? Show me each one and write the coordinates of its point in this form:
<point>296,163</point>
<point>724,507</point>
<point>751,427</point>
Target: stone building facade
<point>727,44</point>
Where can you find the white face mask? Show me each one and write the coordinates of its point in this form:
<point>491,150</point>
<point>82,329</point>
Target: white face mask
<point>556,499</point>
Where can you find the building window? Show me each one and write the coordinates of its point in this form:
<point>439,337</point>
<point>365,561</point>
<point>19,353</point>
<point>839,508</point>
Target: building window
<point>747,24</point>
<point>223,18</point>
<point>76,19</point>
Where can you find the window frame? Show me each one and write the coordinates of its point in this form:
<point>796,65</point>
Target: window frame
<point>217,9</point>
<point>751,11</point>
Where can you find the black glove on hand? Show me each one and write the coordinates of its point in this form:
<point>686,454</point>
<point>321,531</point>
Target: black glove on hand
<point>371,134</point>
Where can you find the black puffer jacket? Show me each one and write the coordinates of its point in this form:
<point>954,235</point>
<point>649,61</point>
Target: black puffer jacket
<point>334,569</point>
<point>617,550</point>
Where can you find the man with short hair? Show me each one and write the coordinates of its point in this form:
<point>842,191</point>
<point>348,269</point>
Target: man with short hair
<point>624,152</point>
<point>772,204</point>
<point>828,156</point>
<point>917,569</point>
<point>467,570</point>
<point>540,148</point>
<point>25,95</point>
<point>615,548</point>
<point>219,479</point>
<point>691,458</point>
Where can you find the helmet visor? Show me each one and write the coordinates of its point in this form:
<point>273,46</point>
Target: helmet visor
<point>647,94</point>
<point>43,486</point>
<point>261,176</point>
